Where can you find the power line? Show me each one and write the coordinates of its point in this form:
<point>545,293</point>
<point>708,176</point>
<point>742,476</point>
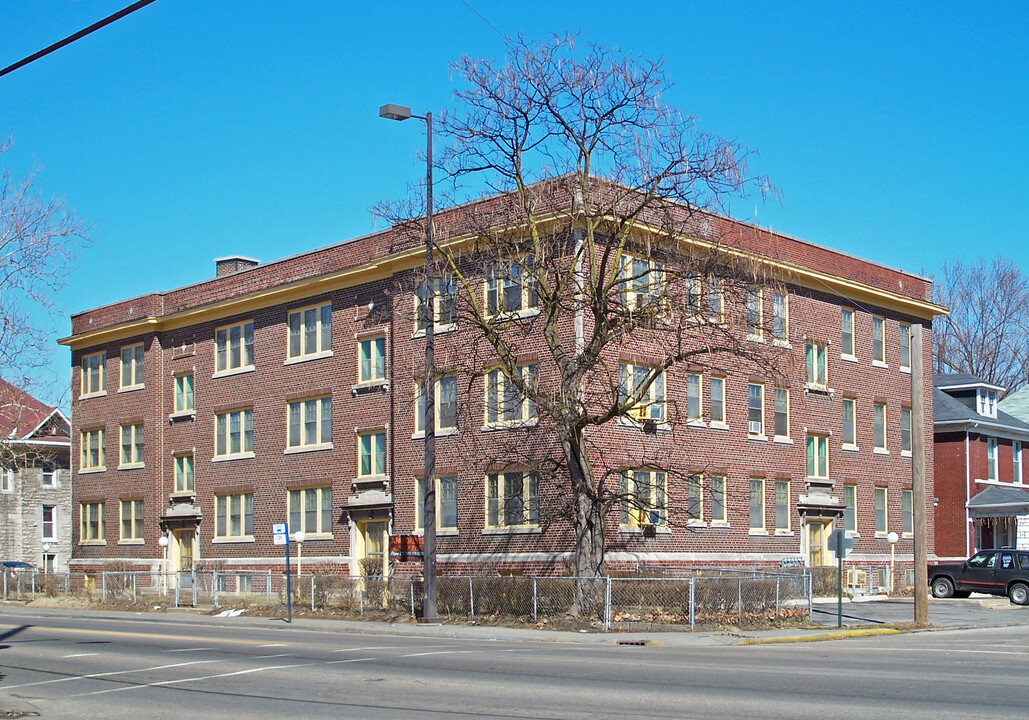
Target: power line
<point>483,18</point>
<point>72,38</point>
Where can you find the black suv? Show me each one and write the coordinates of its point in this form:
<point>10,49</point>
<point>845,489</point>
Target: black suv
<point>996,572</point>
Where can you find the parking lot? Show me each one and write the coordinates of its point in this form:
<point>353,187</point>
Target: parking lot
<point>976,611</point>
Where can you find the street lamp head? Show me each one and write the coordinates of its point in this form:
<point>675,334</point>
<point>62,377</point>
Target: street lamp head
<point>163,541</point>
<point>299,536</point>
<point>394,112</point>
<point>892,538</point>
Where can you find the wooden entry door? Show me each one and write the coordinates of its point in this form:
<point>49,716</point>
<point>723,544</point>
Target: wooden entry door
<point>818,532</point>
<point>183,560</point>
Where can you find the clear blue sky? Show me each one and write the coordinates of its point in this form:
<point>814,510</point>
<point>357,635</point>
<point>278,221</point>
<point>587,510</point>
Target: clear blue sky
<point>194,129</point>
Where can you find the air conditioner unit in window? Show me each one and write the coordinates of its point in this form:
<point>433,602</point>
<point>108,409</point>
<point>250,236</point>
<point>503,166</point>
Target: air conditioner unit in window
<point>755,427</point>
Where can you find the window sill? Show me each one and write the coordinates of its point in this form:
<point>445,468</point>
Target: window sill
<point>848,358</point>
<point>439,533</point>
<point>818,479</point>
<point>130,388</point>
<point>182,415</point>
<point>906,370</point>
<point>183,495</point>
<point>640,530</point>
<point>436,330</point>
<point>87,396</point>
<point>131,466</point>
<point>695,524</point>
<point>234,371</point>
<point>237,456</point>
<point>718,425</point>
<point>308,358</point>
<point>758,438</point>
<point>370,479</point>
<point>439,433</point>
<point>640,424</point>
<point>90,471</point>
<point>313,537</point>
<point>881,535</point>
<point>365,386</point>
<point>784,533</point>
<point>756,339</point>
<point>515,425</point>
<point>516,315</point>
<point>880,451</point>
<point>818,389</point>
<point>783,344</point>
<point>695,423</point>
<point>719,524</point>
<point>306,449</point>
<point>880,364</point>
<point>905,453</point>
<point>227,540</point>
<point>853,533</point>
<point>849,448</point>
<point>783,440</point>
<point>518,530</point>
<point>132,541</point>
<point>757,533</point>
<point>92,542</point>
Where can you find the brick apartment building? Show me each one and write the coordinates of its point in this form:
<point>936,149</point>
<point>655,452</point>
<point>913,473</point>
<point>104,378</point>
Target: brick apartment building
<point>287,391</point>
<point>981,496</point>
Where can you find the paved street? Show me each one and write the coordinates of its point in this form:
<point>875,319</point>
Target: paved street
<point>76,664</point>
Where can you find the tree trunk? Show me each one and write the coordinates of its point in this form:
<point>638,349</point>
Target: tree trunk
<point>588,524</point>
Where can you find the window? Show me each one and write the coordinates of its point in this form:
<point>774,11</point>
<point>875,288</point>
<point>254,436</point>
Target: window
<point>817,456</point>
<point>643,497</point>
<point>1016,462</point>
<point>91,450</point>
<point>850,508</point>
<point>310,510</point>
<point>694,498</point>
<point>310,332</point>
<point>757,504</point>
<point>905,347</point>
<point>816,369</point>
<point>782,412</point>
<point>371,448</point>
<point>184,393</point>
<point>444,301</point>
<point>234,347</point>
<point>718,400</point>
<point>49,522</point>
<point>879,421</point>
<point>234,433</point>
<point>372,360</point>
<point>132,366</point>
<point>756,409</point>
<point>878,343</point>
<point>131,444</point>
<point>234,516</point>
<point>131,519</point>
<point>906,505</point>
<point>780,316</point>
<point>645,385</point>
<point>91,522</point>
<point>991,458</point>
<point>694,296</point>
<point>446,503</point>
<point>718,511</point>
<point>446,405</point>
<point>905,430</point>
<point>754,312</point>
<point>782,505</point>
<point>880,511</point>
<point>510,287</point>
<point>512,499</point>
<point>183,473</point>
<point>986,402</point>
<point>641,284</point>
<point>716,305</point>
<point>92,379</point>
<point>6,478</point>
<point>49,477</point>
<point>504,401</point>
<point>48,563</point>
<point>310,423</point>
<point>847,331</point>
<point>849,428</point>
<point>693,399</point>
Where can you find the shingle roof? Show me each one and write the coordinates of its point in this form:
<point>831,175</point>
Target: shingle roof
<point>999,501</point>
<point>1017,404</point>
<point>959,379</point>
<point>948,410</point>
<point>20,413</point>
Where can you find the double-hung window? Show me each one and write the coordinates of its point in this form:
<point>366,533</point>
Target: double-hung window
<point>184,393</point>
<point>310,332</point>
<point>234,433</point>
<point>847,333</point>
<point>694,407</point>
<point>782,505</point>
<point>49,522</point>
<point>905,346</point>
<point>512,499</point>
<point>371,454</point>
<point>880,511</point>
<point>91,522</point>
<point>645,386</point>
<point>991,459</point>
<point>91,449</point>
<point>905,430</point>
<point>694,296</point>
<point>715,301</point>
<point>850,508</point>
<point>878,340</point>
<point>505,403</point>
<point>879,426</point>
<point>511,287</point>
<point>49,473</point>
<point>817,375</point>
<point>782,413</point>
<point>234,347</point>
<point>718,506</point>
<point>780,317</point>
<point>444,301</point>
<point>131,512</point>
<point>717,401</point>
<point>986,402</point>
<point>184,473</point>
<point>817,456</point>
<point>234,516</point>
<point>757,504</point>
<point>641,286</point>
<point>131,367</point>
<point>755,312</point>
<point>446,405</point>
<point>6,478</point>
<point>907,516</point>
<point>446,503</point>
<point>92,377</point>
<point>849,426</point>
<point>310,510</point>
<point>310,423</point>
<point>644,492</point>
<point>131,445</point>
<point>756,409</point>
<point>371,361</point>
<point>1016,462</point>
<point>694,498</point>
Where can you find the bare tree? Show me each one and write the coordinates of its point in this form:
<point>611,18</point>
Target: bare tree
<point>987,331</point>
<point>593,271</point>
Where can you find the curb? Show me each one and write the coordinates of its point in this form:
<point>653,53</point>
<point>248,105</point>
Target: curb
<point>820,636</point>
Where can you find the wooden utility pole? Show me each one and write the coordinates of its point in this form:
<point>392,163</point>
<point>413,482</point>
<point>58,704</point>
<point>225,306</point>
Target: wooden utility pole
<point>919,506</point>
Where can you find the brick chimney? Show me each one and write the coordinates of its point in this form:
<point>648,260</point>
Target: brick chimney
<point>233,263</point>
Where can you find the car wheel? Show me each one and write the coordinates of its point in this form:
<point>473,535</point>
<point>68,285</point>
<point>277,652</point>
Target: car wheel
<point>943,588</point>
<point>1019,594</point>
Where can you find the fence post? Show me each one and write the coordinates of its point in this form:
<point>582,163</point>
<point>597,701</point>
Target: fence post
<point>471,597</point>
<point>312,592</point>
<point>5,585</point>
<point>410,584</point>
<point>360,600</point>
<point>693,601</point>
<point>214,588</point>
<point>133,587</point>
<point>777,597</point>
<point>739,599</point>
<point>607,605</point>
<point>194,576</point>
<point>268,590</point>
<point>535,611</point>
<point>33,586</point>
<point>178,579</point>
<point>810,598</point>
<point>103,586</point>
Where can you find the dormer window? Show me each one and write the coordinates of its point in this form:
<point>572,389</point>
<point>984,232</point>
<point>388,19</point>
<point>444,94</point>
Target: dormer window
<point>986,402</point>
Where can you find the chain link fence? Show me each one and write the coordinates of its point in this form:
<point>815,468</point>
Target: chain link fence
<point>701,598</point>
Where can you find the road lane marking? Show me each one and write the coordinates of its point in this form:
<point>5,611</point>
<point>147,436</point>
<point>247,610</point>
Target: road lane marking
<point>146,636</point>
<point>80,655</point>
<point>386,647</point>
<point>192,679</point>
<point>109,674</point>
<point>196,649</point>
<point>273,645</point>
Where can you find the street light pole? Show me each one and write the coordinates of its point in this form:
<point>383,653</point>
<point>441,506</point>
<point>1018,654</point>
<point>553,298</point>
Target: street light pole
<point>399,112</point>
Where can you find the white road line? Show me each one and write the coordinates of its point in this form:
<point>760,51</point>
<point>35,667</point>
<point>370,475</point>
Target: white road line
<point>192,679</point>
<point>265,657</point>
<point>81,655</point>
<point>444,652</point>
<point>273,645</point>
<point>385,647</point>
<point>110,674</point>
<point>189,649</point>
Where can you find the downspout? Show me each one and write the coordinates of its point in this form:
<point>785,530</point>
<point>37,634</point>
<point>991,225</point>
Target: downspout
<point>968,496</point>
